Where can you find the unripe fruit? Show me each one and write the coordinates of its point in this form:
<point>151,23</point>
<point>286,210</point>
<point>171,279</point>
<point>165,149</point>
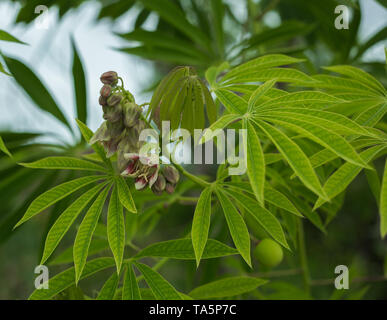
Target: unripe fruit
<point>269,253</point>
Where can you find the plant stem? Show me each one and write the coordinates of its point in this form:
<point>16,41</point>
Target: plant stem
<point>303,256</point>
<point>190,176</point>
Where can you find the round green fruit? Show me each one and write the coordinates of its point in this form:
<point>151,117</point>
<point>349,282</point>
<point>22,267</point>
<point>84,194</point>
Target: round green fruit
<point>269,253</point>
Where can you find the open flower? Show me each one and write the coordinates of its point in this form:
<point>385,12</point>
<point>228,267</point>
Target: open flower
<point>143,168</point>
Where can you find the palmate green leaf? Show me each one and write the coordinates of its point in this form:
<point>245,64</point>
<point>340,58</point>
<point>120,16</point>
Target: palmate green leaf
<point>4,148</point>
<point>232,102</point>
<point>66,219</point>
<point>116,228</point>
<point>296,158</point>
<point>130,289</point>
<point>87,135</point>
<point>55,194</point>
<point>66,279</point>
<point>268,61</point>
<point>79,84</point>
<point>383,204</point>
<point>109,288</point>
<point>96,246</point>
<point>35,89</point>
<point>255,162</point>
<point>329,120</point>
<point>236,225</point>
<point>160,287</point>
<point>339,84</point>
<point>169,12</point>
<point>201,223</point>
<point>372,116</point>
<point>125,195</point>
<point>85,233</point>
<point>299,99</point>
<point>258,93</point>
<point>5,36</point>
<point>280,74</point>
<point>68,163</point>
<point>220,124</point>
<point>321,135</point>
<point>227,287</point>
<point>272,196</point>
<point>263,216</point>
<point>358,74</point>
<point>183,249</point>
<point>348,108</point>
<point>344,175</point>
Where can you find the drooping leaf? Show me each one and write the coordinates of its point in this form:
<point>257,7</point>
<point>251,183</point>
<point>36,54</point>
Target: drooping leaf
<point>125,195</point>
<point>321,135</point>
<point>116,228</point>
<point>255,162</point>
<point>263,216</point>
<point>130,289</point>
<point>201,223</point>
<point>383,204</point>
<point>66,219</point>
<point>160,287</point>
<point>55,194</point>
<point>183,249</point>
<point>227,287</point>
<point>236,225</point>
<point>67,163</point>
<point>109,288</point>
<point>85,233</point>
<point>344,175</point>
<point>295,157</point>
<point>66,279</point>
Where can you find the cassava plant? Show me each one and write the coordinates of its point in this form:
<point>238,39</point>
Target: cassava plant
<point>306,138</point>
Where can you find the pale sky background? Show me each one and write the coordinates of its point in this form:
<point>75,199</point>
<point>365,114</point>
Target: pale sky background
<point>49,52</point>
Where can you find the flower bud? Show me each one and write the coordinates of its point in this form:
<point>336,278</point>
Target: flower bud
<point>102,101</point>
<point>132,113</point>
<point>170,188</point>
<point>171,174</point>
<point>114,100</point>
<point>112,114</point>
<point>159,185</point>
<point>109,77</point>
<point>106,91</point>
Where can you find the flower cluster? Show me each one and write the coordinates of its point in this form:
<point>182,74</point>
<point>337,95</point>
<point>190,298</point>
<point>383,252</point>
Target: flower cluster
<point>120,132</point>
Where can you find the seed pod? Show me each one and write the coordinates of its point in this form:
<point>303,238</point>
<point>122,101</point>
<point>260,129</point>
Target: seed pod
<point>160,184</point>
<point>132,113</point>
<point>114,100</point>
<point>110,77</point>
<point>171,174</point>
<point>170,188</point>
<point>105,91</point>
<point>102,101</point>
